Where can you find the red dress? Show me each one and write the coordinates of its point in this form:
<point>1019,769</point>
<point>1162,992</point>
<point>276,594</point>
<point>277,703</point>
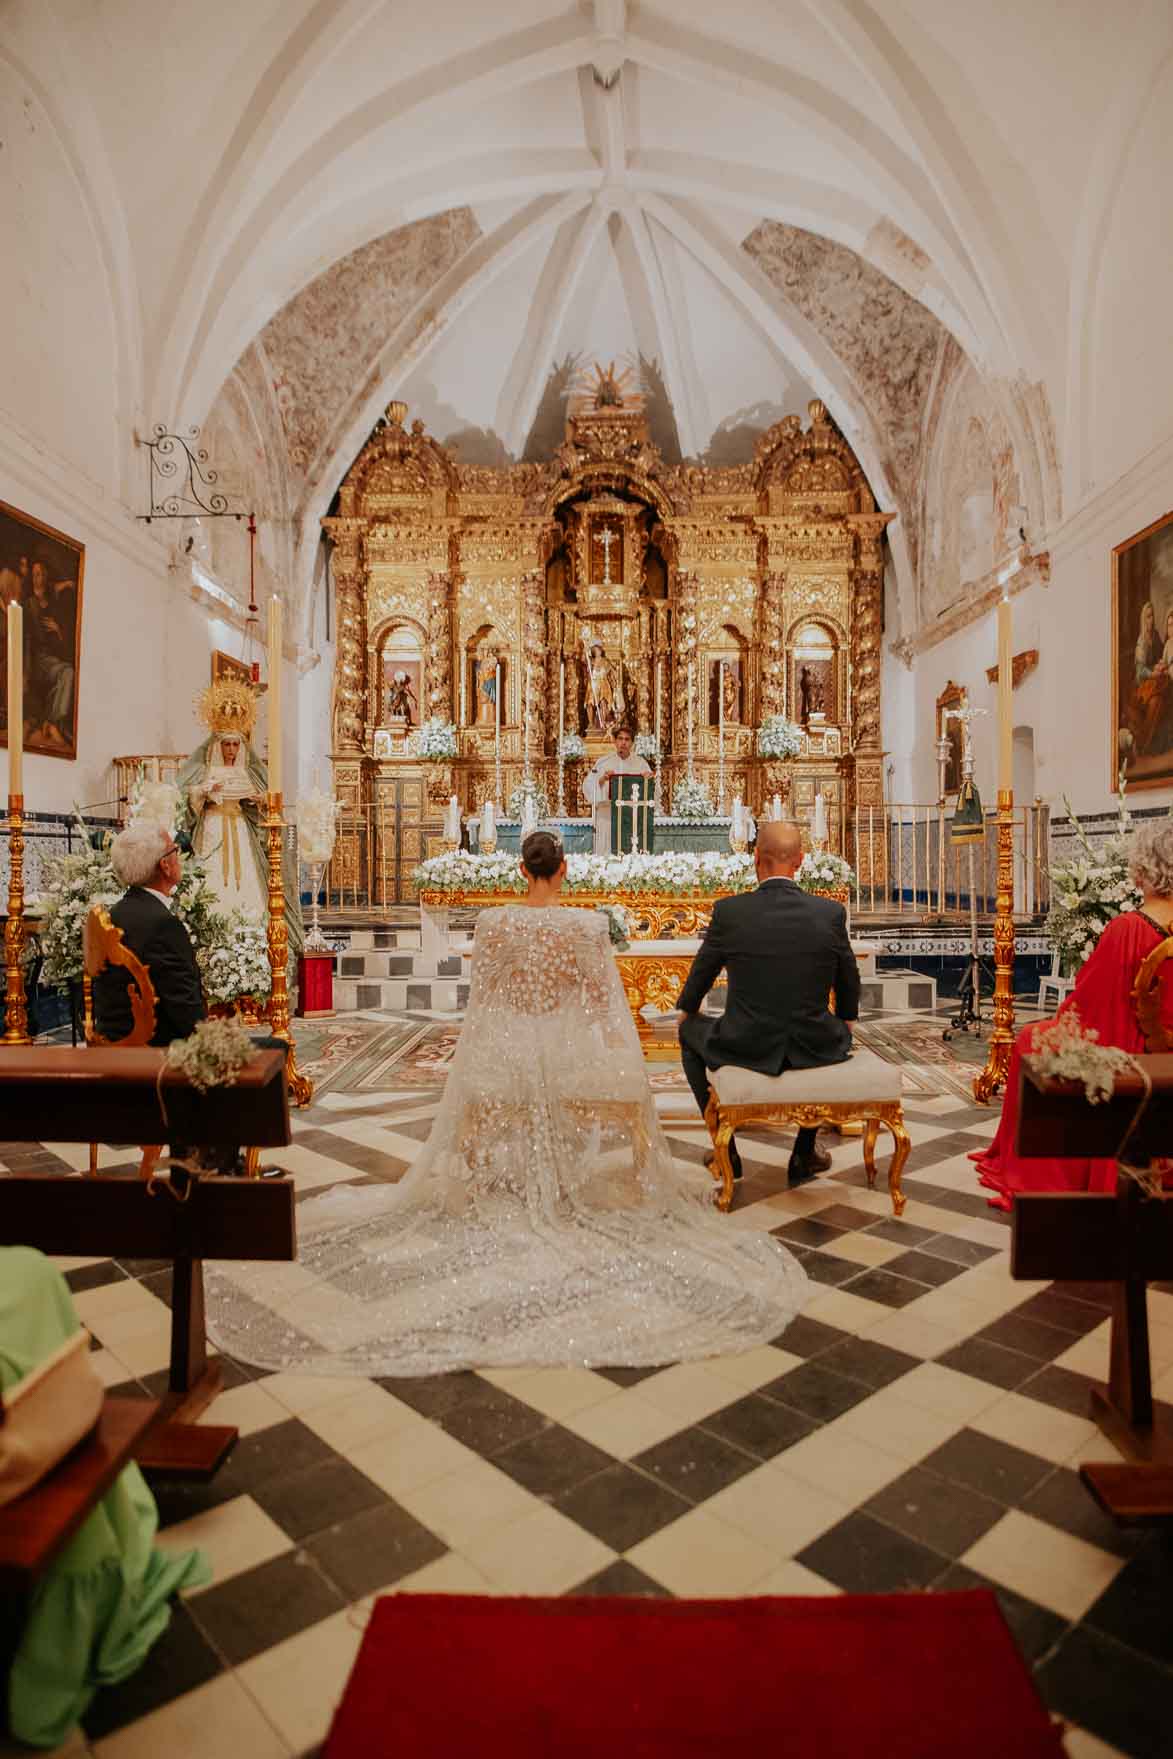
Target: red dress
<point>1103,996</point>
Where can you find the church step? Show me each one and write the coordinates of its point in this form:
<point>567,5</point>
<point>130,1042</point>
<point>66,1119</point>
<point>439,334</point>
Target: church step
<point>379,940</point>
<point>405,963</point>
<point>429,995</point>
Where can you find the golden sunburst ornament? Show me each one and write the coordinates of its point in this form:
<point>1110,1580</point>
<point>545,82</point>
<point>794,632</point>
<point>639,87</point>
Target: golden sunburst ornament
<point>607,388</point>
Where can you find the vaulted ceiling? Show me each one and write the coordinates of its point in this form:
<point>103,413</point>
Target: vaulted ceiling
<point>332,202</point>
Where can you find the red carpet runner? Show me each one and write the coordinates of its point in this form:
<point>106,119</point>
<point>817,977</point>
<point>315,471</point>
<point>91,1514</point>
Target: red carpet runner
<point>900,1676</point>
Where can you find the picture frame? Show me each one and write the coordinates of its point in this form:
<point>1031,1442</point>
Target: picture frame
<point>43,569</point>
<point>1141,732</point>
<point>952,697</point>
<point>227,666</point>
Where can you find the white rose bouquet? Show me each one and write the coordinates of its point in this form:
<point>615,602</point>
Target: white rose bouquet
<point>691,799</point>
<point>778,737</point>
<point>436,740</point>
<point>823,872</point>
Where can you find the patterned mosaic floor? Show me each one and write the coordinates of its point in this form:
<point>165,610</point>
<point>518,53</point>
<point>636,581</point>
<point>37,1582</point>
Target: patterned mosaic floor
<point>919,1427</point>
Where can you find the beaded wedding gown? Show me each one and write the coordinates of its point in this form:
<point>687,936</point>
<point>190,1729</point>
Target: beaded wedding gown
<point>544,1222</point>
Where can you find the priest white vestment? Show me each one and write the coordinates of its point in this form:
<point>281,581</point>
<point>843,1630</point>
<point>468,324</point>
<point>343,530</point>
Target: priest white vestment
<point>598,791</point>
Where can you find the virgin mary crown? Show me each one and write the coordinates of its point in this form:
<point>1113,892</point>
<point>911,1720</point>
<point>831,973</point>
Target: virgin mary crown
<point>228,706</point>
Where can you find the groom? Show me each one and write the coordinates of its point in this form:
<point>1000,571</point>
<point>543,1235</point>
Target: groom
<point>783,951</point>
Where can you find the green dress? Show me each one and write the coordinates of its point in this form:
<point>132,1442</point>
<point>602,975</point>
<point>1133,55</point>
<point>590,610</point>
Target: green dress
<point>95,1614</point>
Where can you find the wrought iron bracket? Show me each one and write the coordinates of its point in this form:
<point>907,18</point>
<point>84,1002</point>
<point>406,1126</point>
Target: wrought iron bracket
<point>181,483</point>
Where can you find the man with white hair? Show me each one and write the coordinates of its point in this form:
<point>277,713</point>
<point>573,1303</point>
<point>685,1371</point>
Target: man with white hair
<point>146,861</point>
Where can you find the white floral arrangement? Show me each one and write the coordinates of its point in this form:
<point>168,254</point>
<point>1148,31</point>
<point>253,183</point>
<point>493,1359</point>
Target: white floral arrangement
<point>1065,1050</point>
<point>691,799</point>
<point>778,737</point>
<point>236,963</point>
<point>823,872</point>
<point>317,815</point>
<point>618,925</point>
<point>680,873</point>
<point>1088,890</point>
<point>436,740</point>
<point>214,1055</point>
<point>572,747</point>
<point>646,747</point>
<point>528,790</point>
<point>156,802</point>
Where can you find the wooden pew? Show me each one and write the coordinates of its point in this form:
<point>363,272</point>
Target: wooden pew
<point>131,1096</point>
<point>1124,1238</point>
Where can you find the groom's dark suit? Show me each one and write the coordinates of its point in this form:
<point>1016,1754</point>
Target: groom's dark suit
<point>783,951</point>
<point>163,944</point>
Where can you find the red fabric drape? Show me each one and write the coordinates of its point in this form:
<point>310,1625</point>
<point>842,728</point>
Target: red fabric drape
<point>1103,997</point>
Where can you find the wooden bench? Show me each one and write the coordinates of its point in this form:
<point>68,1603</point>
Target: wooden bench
<point>865,1090</point>
<point>131,1096</point>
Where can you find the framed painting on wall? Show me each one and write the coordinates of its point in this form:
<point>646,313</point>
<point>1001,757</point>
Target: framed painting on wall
<point>226,666</point>
<point>1142,657</point>
<point>42,569</point>
<point>952,697</point>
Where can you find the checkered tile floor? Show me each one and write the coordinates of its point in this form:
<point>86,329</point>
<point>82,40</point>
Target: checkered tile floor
<point>918,1427</point>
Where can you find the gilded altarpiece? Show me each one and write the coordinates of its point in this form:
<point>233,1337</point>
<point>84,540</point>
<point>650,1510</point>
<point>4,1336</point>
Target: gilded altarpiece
<point>597,587</point>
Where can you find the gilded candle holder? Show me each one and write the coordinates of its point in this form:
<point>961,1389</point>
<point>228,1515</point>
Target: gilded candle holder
<point>993,1076</point>
<point>16,1020</point>
<point>300,1086</point>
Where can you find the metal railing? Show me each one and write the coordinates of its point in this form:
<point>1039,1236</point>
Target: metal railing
<point>905,862</point>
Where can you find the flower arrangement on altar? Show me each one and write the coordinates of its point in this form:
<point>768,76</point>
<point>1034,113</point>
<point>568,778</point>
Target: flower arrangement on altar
<point>158,802</point>
<point>436,740</point>
<point>532,792</point>
<point>646,747</point>
<point>1088,890</point>
<point>691,799</point>
<point>679,874</point>
<point>234,962</point>
<point>618,925</point>
<point>572,747</point>
<point>823,872</point>
<point>778,737</point>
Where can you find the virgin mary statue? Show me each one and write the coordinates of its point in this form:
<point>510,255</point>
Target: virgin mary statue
<point>224,784</point>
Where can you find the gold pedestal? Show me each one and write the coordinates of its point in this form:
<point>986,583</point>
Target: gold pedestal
<point>300,1086</point>
<point>993,1076</point>
<point>16,1020</point>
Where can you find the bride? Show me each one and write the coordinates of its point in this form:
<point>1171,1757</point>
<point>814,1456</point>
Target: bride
<point>544,1221</point>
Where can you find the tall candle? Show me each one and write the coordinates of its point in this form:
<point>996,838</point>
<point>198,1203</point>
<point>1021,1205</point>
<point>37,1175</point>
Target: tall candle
<point>1005,703</point>
<point>659,702</point>
<point>777,807</point>
<point>274,695</point>
<point>463,691</point>
<point>15,697</point>
<point>819,828</point>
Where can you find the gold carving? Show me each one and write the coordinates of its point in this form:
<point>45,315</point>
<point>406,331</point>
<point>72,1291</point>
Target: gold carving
<point>723,1120</point>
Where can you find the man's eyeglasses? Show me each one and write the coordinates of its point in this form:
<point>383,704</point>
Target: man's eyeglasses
<point>174,850</point>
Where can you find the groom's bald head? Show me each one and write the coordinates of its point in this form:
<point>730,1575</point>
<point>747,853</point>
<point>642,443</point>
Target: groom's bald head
<point>779,849</point>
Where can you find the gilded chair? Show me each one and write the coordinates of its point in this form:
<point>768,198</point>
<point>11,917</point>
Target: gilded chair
<point>103,946</point>
<point>1154,1014</point>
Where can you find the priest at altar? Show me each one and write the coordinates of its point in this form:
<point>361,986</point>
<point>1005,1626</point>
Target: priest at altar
<point>597,783</point>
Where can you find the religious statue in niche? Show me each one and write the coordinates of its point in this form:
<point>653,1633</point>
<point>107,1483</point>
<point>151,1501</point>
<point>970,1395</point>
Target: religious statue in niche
<point>810,693</point>
<point>725,682</point>
<point>401,697</point>
<point>603,694</point>
<point>487,666</point>
<point>1142,683</point>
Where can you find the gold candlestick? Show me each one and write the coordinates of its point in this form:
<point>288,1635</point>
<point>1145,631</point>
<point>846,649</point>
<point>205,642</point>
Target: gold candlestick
<point>300,1086</point>
<point>993,1076</point>
<point>16,1020</point>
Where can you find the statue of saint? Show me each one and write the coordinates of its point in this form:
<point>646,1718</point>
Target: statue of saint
<point>604,703</point>
<point>486,687</point>
<point>401,698</point>
<point>731,691</point>
<point>810,696</point>
<point>224,784</point>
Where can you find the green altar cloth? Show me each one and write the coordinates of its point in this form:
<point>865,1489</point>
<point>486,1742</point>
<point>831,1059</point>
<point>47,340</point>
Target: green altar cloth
<point>93,1618</point>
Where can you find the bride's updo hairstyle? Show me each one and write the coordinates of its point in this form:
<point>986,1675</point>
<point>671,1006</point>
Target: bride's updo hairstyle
<point>542,855</point>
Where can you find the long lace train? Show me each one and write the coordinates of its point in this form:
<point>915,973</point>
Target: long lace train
<point>544,1221</point>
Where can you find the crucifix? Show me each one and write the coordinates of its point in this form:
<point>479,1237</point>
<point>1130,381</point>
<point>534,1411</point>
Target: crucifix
<point>1125,1238</point>
<point>606,538</point>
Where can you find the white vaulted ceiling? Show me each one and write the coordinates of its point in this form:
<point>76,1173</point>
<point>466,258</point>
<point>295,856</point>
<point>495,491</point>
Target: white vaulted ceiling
<point>340,201</point>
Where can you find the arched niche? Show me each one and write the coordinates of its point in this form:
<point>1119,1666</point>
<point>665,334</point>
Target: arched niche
<point>816,681</point>
<point>484,667</point>
<point>398,675</point>
<point>727,671</point>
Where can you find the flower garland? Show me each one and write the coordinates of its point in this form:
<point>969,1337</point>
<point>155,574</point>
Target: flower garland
<point>679,874</point>
<point>214,1054</point>
<point>778,737</point>
<point>691,799</point>
<point>1066,1050</point>
<point>436,740</point>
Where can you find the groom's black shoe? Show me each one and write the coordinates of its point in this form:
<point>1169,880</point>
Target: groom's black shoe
<point>807,1163</point>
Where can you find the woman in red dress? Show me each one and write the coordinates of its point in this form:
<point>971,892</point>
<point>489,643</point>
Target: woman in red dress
<point>1103,998</point>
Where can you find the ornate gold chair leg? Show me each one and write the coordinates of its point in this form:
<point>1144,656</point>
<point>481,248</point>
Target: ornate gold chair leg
<point>870,1133</point>
<point>720,1166</point>
<point>150,1161</point>
<point>902,1144</point>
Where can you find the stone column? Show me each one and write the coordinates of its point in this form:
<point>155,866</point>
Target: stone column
<point>439,658</point>
<point>685,655</point>
<point>868,599</point>
<point>350,665</point>
<point>533,642</point>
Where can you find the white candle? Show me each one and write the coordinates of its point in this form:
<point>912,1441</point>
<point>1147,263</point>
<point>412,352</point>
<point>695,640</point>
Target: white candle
<point>1005,703</point>
<point>488,823</point>
<point>497,704</point>
<point>274,695</point>
<point>659,694</point>
<point>464,690</point>
<point>15,697</point>
<point>819,829</point>
<point>777,810</point>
